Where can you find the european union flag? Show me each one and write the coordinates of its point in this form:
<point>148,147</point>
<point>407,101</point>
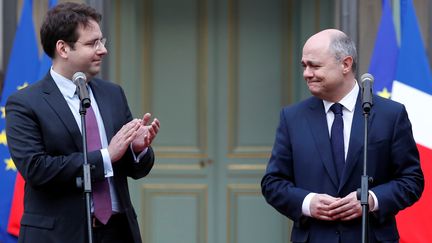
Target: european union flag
<point>385,54</point>
<point>22,70</point>
<point>17,207</point>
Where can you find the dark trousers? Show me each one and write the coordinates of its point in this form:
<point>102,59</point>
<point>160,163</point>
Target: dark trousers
<point>115,231</point>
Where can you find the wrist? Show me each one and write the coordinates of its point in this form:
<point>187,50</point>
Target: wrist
<point>371,203</point>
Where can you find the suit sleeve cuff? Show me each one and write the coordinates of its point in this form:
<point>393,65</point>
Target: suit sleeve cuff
<point>138,157</point>
<point>306,204</point>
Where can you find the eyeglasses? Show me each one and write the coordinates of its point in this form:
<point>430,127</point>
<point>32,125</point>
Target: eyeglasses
<point>99,43</point>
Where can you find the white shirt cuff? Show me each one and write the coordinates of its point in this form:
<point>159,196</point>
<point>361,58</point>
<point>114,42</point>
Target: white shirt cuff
<point>140,155</point>
<point>306,204</point>
<point>108,170</point>
<point>376,206</point>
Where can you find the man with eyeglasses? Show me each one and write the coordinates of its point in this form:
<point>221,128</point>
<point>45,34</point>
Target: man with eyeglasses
<point>45,141</point>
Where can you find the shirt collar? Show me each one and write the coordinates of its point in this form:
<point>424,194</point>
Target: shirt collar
<point>66,86</point>
<point>348,101</point>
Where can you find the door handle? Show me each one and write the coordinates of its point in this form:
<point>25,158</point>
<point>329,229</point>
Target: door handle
<point>205,162</point>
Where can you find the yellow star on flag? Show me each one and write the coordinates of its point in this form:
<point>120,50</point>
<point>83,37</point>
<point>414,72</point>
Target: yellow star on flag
<point>384,93</point>
<point>3,138</point>
<point>10,164</point>
<point>25,84</point>
<point>3,112</point>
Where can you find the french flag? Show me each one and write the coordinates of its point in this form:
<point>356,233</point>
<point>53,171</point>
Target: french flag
<point>402,73</point>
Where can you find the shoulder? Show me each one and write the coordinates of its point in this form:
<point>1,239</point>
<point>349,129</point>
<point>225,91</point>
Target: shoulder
<point>32,91</point>
<point>104,84</point>
<point>386,112</point>
<point>299,108</point>
<point>387,106</point>
<point>104,87</point>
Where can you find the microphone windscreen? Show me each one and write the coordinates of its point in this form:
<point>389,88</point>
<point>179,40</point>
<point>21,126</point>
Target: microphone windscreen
<point>367,77</point>
<point>77,76</point>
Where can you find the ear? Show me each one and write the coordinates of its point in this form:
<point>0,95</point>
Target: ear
<point>62,49</point>
<point>347,64</point>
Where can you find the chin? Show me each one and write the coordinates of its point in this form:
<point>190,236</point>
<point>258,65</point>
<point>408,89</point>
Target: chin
<point>93,72</point>
<point>314,90</point>
<point>316,93</point>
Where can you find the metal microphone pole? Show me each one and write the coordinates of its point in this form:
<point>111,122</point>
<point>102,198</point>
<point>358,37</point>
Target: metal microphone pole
<point>363,192</point>
<point>86,172</point>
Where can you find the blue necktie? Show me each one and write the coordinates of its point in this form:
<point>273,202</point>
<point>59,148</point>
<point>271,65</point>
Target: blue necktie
<point>337,139</point>
<point>100,189</point>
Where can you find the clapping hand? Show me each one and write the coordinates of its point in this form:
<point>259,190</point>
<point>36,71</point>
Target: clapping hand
<point>146,133</point>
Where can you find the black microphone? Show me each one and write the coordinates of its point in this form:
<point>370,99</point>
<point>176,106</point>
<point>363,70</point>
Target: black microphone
<point>79,79</point>
<point>366,86</point>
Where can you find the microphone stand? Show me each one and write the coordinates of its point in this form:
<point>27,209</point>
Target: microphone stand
<point>363,192</point>
<point>86,171</point>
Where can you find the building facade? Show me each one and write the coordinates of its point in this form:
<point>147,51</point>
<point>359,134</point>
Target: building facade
<point>216,73</point>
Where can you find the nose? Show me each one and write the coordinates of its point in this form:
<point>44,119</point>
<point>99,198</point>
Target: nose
<point>102,50</point>
<point>307,73</point>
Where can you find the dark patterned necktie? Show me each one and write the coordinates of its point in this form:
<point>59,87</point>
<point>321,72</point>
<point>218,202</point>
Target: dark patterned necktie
<point>337,139</point>
<point>101,192</point>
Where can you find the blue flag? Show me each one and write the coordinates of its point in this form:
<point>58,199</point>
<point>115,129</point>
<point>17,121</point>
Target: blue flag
<point>385,53</point>
<point>413,66</point>
<point>413,82</point>
<point>22,70</point>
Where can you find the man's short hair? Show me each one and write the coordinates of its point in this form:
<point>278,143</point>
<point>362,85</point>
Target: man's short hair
<point>61,23</point>
<point>342,46</point>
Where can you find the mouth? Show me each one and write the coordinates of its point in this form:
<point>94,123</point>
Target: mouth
<point>312,81</point>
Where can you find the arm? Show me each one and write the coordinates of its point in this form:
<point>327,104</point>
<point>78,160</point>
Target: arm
<point>277,184</point>
<point>143,167</point>
<point>41,147</point>
<point>407,182</point>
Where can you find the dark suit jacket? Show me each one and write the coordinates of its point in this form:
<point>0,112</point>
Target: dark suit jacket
<point>46,145</point>
<point>301,163</point>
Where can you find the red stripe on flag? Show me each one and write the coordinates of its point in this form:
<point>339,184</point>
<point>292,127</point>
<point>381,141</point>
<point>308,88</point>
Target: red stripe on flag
<point>414,223</point>
<point>17,207</point>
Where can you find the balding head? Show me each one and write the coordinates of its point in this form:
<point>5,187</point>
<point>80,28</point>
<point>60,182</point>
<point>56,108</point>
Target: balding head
<point>337,43</point>
<point>329,64</point>
<point>325,36</point>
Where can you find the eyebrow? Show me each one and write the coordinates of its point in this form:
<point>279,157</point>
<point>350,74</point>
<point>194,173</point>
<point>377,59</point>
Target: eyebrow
<point>92,40</point>
<point>313,63</point>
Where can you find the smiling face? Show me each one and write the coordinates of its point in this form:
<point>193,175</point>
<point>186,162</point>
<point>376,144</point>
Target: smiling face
<point>83,57</point>
<point>327,78</point>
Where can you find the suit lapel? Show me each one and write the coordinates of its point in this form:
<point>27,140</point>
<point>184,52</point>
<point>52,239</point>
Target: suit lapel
<point>104,107</point>
<point>56,101</point>
<point>317,121</point>
<point>355,147</point>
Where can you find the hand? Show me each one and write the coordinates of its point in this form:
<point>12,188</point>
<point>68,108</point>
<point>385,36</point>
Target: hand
<point>146,133</point>
<point>319,206</point>
<point>122,139</point>
<point>349,207</point>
